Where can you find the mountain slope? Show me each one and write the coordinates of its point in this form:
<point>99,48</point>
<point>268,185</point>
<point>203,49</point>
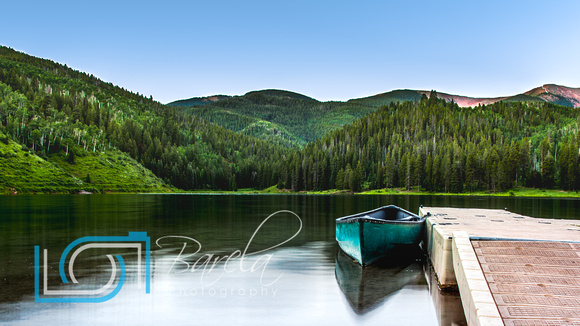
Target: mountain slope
<point>65,131</point>
<point>53,111</point>
<point>281,94</point>
<point>291,119</point>
<point>23,172</point>
<point>550,93</point>
<point>198,100</point>
<point>465,101</point>
<point>400,95</point>
<point>435,145</point>
<point>556,94</point>
<point>282,117</point>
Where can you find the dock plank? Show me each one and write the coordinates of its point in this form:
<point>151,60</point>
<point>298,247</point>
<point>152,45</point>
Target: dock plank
<point>532,282</point>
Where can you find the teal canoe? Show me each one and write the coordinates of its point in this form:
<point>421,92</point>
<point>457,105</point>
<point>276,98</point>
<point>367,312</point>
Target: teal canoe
<point>372,235</point>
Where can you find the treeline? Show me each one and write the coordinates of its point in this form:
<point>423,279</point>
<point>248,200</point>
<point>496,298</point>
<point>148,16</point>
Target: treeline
<point>52,109</point>
<point>436,146</point>
<point>426,144</point>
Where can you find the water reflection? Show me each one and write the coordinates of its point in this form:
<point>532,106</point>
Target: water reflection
<point>366,288</point>
<point>316,287</point>
<point>447,303</point>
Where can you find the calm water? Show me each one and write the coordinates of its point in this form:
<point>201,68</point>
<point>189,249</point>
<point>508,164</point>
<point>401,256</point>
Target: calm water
<point>292,271</point>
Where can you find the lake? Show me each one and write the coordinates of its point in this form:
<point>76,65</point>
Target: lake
<point>216,260</point>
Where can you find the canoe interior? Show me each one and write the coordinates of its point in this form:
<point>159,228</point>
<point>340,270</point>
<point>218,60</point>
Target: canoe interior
<point>387,214</point>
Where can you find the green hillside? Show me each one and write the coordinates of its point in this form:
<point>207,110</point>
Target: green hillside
<point>523,98</point>
<point>23,172</point>
<point>111,171</point>
<point>265,130</point>
<point>292,119</point>
<point>64,131</point>
<point>54,111</point>
<point>280,94</point>
<point>436,146</point>
<point>402,95</point>
<point>198,100</point>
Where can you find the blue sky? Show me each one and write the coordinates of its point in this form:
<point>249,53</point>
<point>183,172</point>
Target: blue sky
<point>329,50</point>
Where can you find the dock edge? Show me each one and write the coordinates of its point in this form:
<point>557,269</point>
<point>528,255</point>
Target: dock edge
<point>478,303</point>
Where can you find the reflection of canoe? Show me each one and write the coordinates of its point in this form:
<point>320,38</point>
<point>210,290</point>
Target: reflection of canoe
<point>367,288</point>
<point>371,235</point>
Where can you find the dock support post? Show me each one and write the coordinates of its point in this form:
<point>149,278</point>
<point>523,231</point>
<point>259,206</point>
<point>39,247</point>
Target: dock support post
<point>440,254</point>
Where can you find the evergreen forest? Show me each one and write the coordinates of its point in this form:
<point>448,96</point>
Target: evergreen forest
<point>65,131</point>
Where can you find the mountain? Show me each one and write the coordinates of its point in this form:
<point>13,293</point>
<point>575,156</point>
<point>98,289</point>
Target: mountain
<point>550,93</point>
<point>556,94</point>
<point>281,117</point>
<point>281,94</point>
<point>67,131</point>
<point>465,101</point>
<point>290,119</point>
<point>437,146</point>
<point>400,95</point>
<point>199,100</point>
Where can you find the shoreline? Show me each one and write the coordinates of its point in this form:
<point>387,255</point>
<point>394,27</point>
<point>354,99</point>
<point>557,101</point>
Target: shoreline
<point>517,192</point>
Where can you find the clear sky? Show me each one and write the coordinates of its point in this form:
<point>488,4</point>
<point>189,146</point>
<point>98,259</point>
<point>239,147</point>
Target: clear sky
<point>329,50</point>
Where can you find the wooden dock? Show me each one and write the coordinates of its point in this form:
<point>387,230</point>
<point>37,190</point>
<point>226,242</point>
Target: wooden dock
<point>510,269</point>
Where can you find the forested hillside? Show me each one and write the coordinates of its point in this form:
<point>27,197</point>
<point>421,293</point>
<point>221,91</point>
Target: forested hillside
<point>433,145</point>
<point>281,117</point>
<point>63,116</point>
<point>66,131</point>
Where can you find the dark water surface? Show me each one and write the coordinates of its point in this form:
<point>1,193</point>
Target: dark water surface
<point>292,272</point>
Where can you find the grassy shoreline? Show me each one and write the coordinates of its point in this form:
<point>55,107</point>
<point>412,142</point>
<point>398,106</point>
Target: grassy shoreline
<point>516,192</point>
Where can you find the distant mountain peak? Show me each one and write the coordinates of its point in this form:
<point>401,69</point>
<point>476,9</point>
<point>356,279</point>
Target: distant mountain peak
<point>199,100</point>
<point>551,93</point>
<point>557,94</point>
<point>466,101</point>
<point>281,93</point>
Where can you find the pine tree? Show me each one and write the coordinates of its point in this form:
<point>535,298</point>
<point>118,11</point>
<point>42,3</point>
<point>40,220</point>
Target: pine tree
<point>71,156</point>
<point>358,177</point>
<point>348,178</point>
<point>471,172</point>
<point>548,171</point>
<point>428,174</point>
<point>456,183</point>
<point>389,173</point>
<point>340,179</point>
<point>418,169</point>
